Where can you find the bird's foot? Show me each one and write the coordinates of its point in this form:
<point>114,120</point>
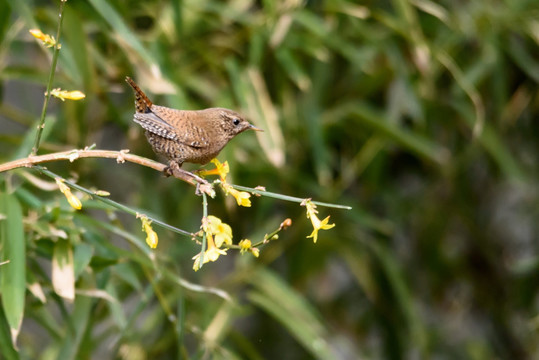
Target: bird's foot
<point>202,186</point>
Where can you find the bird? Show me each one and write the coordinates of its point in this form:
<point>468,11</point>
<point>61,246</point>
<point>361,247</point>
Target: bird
<point>192,136</point>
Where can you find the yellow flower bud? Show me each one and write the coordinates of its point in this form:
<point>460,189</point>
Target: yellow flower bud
<point>69,95</point>
<point>47,40</point>
<point>285,224</point>
<point>245,245</point>
<point>151,238</point>
<point>71,199</point>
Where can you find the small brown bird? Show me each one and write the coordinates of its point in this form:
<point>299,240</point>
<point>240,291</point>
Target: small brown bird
<point>186,135</point>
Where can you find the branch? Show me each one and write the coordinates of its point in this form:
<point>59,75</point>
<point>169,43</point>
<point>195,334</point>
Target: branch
<point>55,53</point>
<point>120,156</point>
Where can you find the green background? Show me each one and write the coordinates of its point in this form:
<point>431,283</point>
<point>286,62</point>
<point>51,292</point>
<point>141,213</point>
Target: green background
<point>422,116</point>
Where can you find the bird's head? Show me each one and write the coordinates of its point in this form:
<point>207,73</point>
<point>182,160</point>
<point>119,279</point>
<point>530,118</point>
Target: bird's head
<point>233,123</point>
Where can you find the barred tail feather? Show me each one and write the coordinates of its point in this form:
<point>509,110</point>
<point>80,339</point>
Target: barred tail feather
<point>142,103</point>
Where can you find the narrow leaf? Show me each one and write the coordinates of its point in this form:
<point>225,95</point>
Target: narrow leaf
<point>63,270</point>
<point>13,274</point>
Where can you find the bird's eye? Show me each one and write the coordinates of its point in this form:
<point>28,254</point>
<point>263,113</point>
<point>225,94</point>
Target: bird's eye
<point>236,121</point>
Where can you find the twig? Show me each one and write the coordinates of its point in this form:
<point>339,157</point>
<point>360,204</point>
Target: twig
<point>120,156</point>
<point>111,202</point>
<point>204,221</point>
<point>72,155</point>
<point>55,53</point>
<point>287,197</point>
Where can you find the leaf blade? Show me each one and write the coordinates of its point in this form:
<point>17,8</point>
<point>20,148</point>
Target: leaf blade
<point>13,274</point>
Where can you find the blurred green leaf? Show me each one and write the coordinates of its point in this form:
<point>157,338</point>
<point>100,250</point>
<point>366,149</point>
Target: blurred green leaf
<point>28,141</point>
<point>6,343</point>
<point>367,105</point>
<point>82,255</point>
<point>79,318</point>
<point>13,273</point>
<point>288,307</point>
<point>416,143</point>
<point>126,36</point>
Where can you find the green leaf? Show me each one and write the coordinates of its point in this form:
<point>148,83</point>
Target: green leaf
<point>13,274</point>
<point>288,307</point>
<point>6,345</point>
<point>420,145</point>
<point>293,69</point>
<point>28,140</point>
<point>82,256</point>
<point>125,35</point>
<point>80,317</point>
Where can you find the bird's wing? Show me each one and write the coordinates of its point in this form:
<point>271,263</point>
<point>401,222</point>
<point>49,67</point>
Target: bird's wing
<point>154,124</point>
<point>196,137</point>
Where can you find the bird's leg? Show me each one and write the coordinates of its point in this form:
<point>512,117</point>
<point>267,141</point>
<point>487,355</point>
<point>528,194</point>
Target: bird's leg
<point>202,185</point>
<point>168,170</point>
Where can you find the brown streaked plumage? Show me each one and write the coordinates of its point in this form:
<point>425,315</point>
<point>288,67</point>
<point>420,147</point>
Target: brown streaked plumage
<point>194,136</point>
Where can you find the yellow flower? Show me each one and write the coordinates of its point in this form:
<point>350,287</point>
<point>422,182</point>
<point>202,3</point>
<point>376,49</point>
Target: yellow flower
<point>48,40</point>
<point>71,199</point>
<point>217,234</point>
<point>242,197</point>
<point>211,254</point>
<point>319,225</point>
<point>245,245</point>
<point>69,95</point>
<point>151,238</point>
<point>220,169</point>
<point>222,232</point>
<point>316,222</point>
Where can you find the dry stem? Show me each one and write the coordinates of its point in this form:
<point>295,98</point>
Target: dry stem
<point>120,156</point>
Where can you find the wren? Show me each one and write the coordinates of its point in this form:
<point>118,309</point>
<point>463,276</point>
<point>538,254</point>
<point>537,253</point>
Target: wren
<point>193,136</point>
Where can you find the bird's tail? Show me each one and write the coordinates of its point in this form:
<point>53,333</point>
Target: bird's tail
<point>142,103</point>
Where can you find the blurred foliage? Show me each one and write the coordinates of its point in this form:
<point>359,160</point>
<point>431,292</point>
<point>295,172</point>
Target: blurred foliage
<point>420,115</point>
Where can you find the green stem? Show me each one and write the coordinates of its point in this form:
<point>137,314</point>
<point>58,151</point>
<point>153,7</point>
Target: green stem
<point>267,238</point>
<point>288,198</point>
<point>204,219</point>
<point>110,202</point>
<point>55,53</point>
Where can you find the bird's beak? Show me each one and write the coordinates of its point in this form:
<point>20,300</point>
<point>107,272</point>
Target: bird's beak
<point>252,127</point>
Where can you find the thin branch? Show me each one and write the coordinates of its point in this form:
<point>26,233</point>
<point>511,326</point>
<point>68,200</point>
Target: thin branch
<point>204,221</point>
<point>287,197</point>
<point>120,156</point>
<point>123,156</point>
<point>55,53</point>
<point>72,155</point>
<point>112,202</point>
